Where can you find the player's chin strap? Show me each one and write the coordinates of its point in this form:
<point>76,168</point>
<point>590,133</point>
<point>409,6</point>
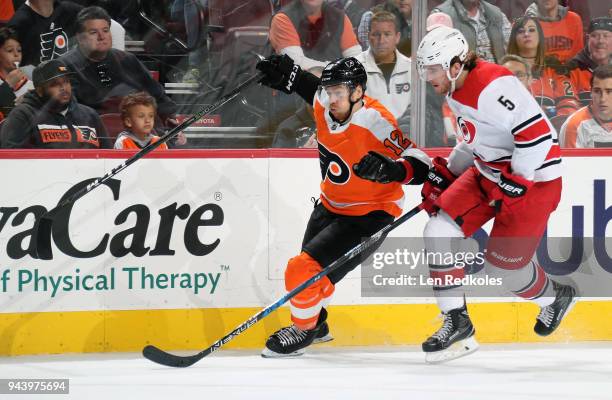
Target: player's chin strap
<point>452,80</point>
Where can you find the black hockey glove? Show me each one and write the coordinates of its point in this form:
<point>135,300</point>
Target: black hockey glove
<point>380,168</point>
<point>281,73</point>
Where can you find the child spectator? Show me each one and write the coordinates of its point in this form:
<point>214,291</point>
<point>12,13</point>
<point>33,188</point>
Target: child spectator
<point>138,112</point>
<point>554,92</point>
<point>13,82</point>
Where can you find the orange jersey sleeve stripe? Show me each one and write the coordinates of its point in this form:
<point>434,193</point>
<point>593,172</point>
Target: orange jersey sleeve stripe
<point>348,38</point>
<point>569,131</point>
<point>282,33</point>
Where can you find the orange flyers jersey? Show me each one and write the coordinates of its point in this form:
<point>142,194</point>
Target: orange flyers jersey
<point>564,38</point>
<point>128,142</point>
<point>374,128</point>
<point>554,90</point>
<point>583,130</point>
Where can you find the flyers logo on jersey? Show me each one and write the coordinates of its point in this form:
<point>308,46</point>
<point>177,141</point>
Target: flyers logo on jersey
<point>53,43</point>
<point>333,166</point>
<point>468,130</point>
<point>402,87</point>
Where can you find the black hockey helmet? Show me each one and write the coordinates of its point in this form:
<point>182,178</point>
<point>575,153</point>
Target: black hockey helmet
<point>346,71</point>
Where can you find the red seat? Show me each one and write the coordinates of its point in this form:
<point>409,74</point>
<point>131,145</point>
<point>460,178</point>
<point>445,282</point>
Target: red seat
<point>113,124</point>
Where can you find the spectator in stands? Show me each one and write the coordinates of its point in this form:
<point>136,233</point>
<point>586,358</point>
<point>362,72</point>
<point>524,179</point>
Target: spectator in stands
<point>484,25</point>
<point>402,9</point>
<point>388,70</point>
<point>104,75</point>
<point>591,126</point>
<point>563,32</point>
<point>13,82</point>
<point>50,118</point>
<point>313,33</point>
<point>138,113</point>
<point>553,91</point>
<point>598,51</point>
<point>519,68</point>
<point>45,28</point>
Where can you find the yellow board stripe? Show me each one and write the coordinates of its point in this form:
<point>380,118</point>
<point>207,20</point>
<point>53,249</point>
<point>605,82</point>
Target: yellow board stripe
<point>362,325</point>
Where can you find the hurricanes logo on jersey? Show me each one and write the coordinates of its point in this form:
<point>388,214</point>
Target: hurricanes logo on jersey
<point>333,167</point>
<point>468,130</point>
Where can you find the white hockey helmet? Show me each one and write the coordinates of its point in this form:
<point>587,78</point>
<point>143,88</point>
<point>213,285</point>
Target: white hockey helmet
<point>440,46</point>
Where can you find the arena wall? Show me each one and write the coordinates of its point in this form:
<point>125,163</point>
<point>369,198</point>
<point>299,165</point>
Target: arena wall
<point>185,245</point>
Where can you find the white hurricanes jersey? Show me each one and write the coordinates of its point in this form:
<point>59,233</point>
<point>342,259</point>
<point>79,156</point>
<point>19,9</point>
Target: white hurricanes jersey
<point>502,124</point>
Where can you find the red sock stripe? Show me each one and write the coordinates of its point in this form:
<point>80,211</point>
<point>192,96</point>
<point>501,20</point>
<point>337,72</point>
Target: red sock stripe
<point>454,273</point>
<point>537,288</point>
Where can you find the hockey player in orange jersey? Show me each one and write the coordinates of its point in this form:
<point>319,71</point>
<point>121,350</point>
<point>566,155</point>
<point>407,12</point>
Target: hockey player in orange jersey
<point>357,138</point>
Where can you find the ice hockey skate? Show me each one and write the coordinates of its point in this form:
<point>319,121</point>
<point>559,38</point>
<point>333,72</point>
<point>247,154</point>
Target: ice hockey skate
<point>550,316</point>
<point>453,340</point>
<point>292,341</point>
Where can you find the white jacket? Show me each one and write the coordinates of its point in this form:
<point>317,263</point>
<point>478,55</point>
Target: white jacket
<point>395,96</point>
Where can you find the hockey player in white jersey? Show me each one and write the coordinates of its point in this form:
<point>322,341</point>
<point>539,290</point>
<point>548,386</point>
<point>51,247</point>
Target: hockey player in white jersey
<point>506,168</point>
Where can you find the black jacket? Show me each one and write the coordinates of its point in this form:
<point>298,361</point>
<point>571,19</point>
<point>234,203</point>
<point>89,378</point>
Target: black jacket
<point>101,85</point>
<point>33,124</point>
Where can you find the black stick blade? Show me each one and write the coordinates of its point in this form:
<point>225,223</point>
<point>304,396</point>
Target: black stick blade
<point>42,237</point>
<point>169,360</point>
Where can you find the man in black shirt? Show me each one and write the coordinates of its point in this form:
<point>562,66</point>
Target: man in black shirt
<point>46,29</point>
<point>104,75</point>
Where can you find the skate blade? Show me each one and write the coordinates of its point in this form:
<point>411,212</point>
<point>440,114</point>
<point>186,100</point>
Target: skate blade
<point>326,338</point>
<point>267,353</point>
<point>457,350</point>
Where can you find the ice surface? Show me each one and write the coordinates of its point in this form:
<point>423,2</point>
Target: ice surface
<point>516,372</point>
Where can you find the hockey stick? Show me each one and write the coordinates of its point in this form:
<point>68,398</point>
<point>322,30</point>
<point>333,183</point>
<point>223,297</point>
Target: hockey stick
<point>44,224</point>
<point>171,360</point>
